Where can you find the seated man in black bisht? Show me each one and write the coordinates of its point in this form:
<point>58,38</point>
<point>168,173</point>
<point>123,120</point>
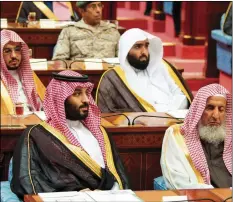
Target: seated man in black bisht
<point>70,151</point>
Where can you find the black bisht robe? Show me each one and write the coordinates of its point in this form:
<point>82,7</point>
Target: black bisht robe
<point>45,164</point>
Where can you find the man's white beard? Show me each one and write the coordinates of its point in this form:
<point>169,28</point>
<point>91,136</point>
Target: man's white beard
<point>212,134</point>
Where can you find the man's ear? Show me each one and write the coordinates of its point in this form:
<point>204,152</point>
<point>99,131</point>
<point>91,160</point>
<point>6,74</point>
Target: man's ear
<point>81,11</point>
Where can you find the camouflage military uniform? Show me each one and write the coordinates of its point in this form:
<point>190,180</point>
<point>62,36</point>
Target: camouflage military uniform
<point>84,41</point>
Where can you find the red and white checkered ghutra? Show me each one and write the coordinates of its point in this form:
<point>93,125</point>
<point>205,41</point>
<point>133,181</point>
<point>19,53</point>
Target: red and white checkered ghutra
<point>54,106</point>
<point>190,131</point>
<point>24,71</point>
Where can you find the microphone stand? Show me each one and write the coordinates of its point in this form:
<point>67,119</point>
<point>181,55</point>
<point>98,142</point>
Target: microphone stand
<point>118,115</point>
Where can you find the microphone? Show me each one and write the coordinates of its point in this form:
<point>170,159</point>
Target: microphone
<point>200,199</point>
<point>62,61</point>
<point>163,117</point>
<point>118,115</point>
<point>66,66</point>
<point>82,60</point>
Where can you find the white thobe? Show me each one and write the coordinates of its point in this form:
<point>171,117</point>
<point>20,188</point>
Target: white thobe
<point>89,143</point>
<point>154,84</point>
<point>177,171</point>
<point>22,97</point>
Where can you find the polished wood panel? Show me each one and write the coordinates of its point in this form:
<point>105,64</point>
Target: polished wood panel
<point>150,196</point>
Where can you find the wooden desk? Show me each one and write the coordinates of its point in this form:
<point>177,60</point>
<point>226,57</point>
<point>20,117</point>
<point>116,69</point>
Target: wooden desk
<point>40,40</point>
<point>60,65</point>
<point>217,195</point>
<point>139,146</point>
<point>9,137</point>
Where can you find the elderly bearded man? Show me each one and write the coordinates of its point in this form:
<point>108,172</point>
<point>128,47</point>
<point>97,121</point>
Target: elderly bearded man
<point>198,154</point>
<point>19,84</point>
<point>88,38</point>
<point>143,82</point>
<point>70,151</point>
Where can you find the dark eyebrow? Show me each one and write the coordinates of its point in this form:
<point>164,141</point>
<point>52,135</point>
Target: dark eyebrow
<point>77,89</point>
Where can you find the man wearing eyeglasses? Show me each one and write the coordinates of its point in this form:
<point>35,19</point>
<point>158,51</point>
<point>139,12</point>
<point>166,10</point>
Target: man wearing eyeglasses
<point>18,83</point>
<point>90,37</point>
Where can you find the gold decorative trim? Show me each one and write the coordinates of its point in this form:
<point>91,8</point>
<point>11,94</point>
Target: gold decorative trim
<point>40,88</point>
<point>69,5</point>
<point>110,161</point>
<point>181,142</point>
<point>7,105</point>
<point>148,107</point>
<point>121,74</point>
<point>77,151</point>
<point>45,10</point>
<point>29,160</point>
<point>169,44</point>
<point>177,80</point>
<point>200,38</point>
<point>158,12</point>
<point>187,36</point>
<point>20,7</point>
<point>228,9</point>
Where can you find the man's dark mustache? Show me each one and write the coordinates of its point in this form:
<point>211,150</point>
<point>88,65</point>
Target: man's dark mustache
<point>143,56</point>
<point>14,60</point>
<point>84,106</point>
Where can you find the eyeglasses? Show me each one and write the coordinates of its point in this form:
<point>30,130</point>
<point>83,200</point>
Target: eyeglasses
<point>8,51</point>
<point>94,6</point>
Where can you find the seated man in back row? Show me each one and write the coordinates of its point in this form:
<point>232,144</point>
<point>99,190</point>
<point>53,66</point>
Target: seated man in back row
<point>198,154</point>
<point>19,84</point>
<point>88,38</point>
<point>70,151</point>
<point>143,82</point>
<point>53,10</point>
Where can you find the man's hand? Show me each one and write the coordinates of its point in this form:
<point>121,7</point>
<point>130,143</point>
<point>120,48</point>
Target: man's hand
<point>86,189</point>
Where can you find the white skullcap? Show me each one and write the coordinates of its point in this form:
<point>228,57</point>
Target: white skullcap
<point>220,95</point>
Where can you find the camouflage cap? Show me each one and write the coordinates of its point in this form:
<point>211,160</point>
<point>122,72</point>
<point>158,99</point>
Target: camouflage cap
<point>82,4</point>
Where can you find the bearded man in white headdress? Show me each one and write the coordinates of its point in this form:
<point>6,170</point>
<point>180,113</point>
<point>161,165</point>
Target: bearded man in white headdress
<point>198,154</point>
<point>144,82</point>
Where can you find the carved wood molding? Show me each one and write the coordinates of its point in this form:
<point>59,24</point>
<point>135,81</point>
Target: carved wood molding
<point>138,141</point>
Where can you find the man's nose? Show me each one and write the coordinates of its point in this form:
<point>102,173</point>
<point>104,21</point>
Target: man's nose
<point>13,54</point>
<point>98,9</point>
<point>215,113</point>
<point>85,99</point>
<point>144,51</point>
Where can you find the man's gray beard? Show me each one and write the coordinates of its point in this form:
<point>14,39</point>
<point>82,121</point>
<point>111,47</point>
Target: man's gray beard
<point>212,134</point>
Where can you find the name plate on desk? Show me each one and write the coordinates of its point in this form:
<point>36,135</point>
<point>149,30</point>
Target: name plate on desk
<point>14,127</point>
<point>99,196</point>
<point>64,23</point>
<point>38,64</point>
<point>47,23</point>
<point>93,64</point>
<point>4,23</point>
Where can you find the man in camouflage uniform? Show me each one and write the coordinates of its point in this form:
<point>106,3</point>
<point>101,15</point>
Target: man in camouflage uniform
<point>90,37</point>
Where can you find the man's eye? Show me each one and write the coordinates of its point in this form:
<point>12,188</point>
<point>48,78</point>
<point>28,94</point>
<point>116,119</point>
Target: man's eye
<point>77,93</point>
<point>209,107</point>
<point>18,48</point>
<point>7,50</point>
<point>222,109</point>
